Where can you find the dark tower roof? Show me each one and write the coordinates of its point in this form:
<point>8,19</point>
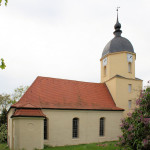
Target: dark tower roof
<point>118,43</point>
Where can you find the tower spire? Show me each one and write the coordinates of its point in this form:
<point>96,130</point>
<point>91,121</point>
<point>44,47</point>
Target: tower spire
<point>117,26</point>
<point>117,13</point>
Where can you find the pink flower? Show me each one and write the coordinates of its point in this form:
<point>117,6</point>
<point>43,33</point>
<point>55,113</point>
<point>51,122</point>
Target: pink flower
<point>142,119</point>
<point>129,137</point>
<point>130,128</point>
<point>120,136</point>
<point>139,111</point>
<point>146,121</point>
<point>138,102</point>
<point>145,142</point>
<point>122,119</point>
<point>129,114</point>
<point>121,125</point>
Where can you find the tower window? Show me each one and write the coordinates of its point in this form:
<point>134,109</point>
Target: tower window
<point>75,128</point>
<point>129,67</point>
<point>101,130</point>
<point>45,129</point>
<point>130,104</point>
<point>105,70</point>
<point>129,88</point>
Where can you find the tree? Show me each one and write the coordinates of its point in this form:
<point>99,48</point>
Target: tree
<point>3,133</point>
<point>18,93</point>
<point>5,101</point>
<point>3,126</point>
<point>136,127</point>
<point>3,117</point>
<point>6,1</point>
<point>2,66</point>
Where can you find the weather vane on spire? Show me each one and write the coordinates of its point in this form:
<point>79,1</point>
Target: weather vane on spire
<point>117,9</point>
<point>117,26</point>
<point>117,12</point>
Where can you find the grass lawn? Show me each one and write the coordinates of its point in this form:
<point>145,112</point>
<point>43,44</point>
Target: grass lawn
<point>99,146</point>
<point>3,146</point>
<point>95,146</point>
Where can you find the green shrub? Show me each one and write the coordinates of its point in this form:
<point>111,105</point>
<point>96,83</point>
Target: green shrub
<point>3,133</point>
<point>136,127</point>
<point>3,117</point>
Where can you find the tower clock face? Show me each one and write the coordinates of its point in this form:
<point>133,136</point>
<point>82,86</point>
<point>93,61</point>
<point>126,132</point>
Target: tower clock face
<point>129,57</point>
<point>105,61</point>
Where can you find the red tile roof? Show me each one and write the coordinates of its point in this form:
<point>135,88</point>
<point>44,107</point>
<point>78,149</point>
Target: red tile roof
<point>28,113</point>
<point>66,94</point>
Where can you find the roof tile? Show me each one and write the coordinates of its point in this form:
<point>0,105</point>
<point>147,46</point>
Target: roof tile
<point>28,113</point>
<point>55,93</point>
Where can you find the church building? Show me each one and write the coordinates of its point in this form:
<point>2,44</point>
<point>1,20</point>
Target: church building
<point>60,112</point>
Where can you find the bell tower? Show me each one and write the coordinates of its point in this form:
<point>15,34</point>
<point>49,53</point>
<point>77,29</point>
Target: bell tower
<point>118,70</point>
<point>118,57</point>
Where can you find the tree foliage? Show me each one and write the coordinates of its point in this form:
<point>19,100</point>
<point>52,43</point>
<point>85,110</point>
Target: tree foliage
<point>5,101</point>
<point>3,117</point>
<point>3,133</point>
<point>2,65</point>
<point>136,127</point>
<point>3,126</point>
<point>18,93</point>
<point>6,1</point>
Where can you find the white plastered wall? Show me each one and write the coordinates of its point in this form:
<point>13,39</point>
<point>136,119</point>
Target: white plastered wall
<point>10,126</point>
<point>28,133</point>
<point>60,126</point>
<point>25,132</point>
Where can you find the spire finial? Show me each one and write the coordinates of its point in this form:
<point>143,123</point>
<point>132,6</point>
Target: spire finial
<point>117,26</point>
<point>117,13</point>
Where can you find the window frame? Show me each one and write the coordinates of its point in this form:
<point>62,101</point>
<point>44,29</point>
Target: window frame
<point>102,127</point>
<point>45,129</point>
<point>75,128</point>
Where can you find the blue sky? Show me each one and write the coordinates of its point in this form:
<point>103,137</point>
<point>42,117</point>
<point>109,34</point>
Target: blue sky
<point>65,38</point>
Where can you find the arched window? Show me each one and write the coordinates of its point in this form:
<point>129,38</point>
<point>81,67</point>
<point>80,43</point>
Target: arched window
<point>75,128</point>
<point>45,129</point>
<point>102,124</point>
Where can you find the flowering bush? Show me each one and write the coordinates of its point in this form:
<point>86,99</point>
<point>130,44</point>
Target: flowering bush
<point>136,127</point>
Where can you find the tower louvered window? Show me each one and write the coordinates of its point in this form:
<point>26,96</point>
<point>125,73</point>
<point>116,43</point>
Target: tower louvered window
<point>129,67</point>
<point>130,104</point>
<point>105,70</point>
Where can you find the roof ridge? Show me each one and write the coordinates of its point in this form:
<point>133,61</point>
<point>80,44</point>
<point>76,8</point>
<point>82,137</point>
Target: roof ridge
<point>67,80</point>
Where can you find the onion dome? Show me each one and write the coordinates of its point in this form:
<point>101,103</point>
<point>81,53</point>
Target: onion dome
<point>118,43</point>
